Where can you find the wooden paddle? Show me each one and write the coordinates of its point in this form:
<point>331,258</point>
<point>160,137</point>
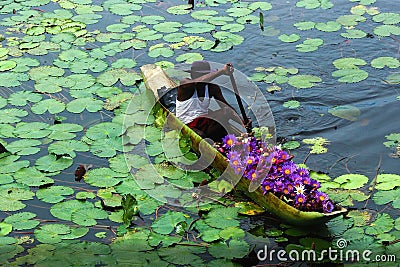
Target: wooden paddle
<point>239,100</point>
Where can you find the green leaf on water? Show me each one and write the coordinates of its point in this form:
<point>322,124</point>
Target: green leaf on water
<point>382,224</point>
<point>6,65</point>
<point>349,63</point>
<point>11,198</point>
<point>310,45</point>
<point>32,177</point>
<point>51,233</point>
<point>292,104</point>
<point>88,103</point>
<point>350,20</point>
<point>12,115</point>
<point>304,81</point>
<point>117,27</point>
<point>350,75</point>
<point>387,30</point>
<point>249,208</point>
<point>239,11</point>
<point>196,27</point>
<point>179,9</point>
<point>21,98</point>
<point>68,147</point>
<point>345,112</point>
<point>167,223</point>
<point>5,228</point>
<point>264,6</point>
<point>50,163</point>
<point>220,20</point>
<point>289,38</point>
<point>223,217</point>
<point>385,197</point>
<point>205,14</point>
<point>51,105</point>
<point>387,181</point>
<point>351,181</point>
<point>63,210</point>
<point>158,50</point>
<point>24,147</point>
<point>291,145</point>
<point>387,18</point>
<point>305,25</point>
<point>22,220</point>
<point>353,34</point>
<point>54,194</point>
<point>167,27</point>
<point>64,131</point>
<point>88,217</point>
<point>381,62</point>
<point>103,177</point>
<point>330,26</point>
<point>317,144</point>
<point>361,218</point>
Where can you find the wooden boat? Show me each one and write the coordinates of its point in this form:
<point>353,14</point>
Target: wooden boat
<point>156,79</point>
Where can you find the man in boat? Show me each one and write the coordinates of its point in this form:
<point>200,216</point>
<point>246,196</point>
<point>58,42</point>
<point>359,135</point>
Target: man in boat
<point>193,100</point>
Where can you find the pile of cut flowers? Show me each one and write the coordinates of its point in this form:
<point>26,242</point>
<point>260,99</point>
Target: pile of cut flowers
<point>255,159</point>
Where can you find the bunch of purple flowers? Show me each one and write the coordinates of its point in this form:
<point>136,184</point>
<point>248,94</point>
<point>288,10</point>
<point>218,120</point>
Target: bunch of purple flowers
<point>254,159</point>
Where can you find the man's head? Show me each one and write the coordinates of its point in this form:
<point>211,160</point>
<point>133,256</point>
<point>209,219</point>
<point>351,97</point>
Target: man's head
<point>199,68</point>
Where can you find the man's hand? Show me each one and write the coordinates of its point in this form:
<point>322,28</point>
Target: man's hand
<point>228,69</point>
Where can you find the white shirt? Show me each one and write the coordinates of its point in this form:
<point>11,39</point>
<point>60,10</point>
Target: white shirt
<point>192,108</point>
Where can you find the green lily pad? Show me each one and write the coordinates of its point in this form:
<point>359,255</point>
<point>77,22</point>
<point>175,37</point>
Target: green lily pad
<point>63,210</point>
<point>330,26</point>
<point>292,104</point>
<point>51,105</point>
<point>51,233</point>
<point>305,25</point>
<point>6,65</point>
<point>387,181</point>
<point>312,4</point>
<point>220,20</point>
<point>88,103</point>
<point>223,217</point>
<point>304,81</point>
<point>24,147</point>
<point>11,198</point>
<point>22,220</point>
<point>64,131</point>
<point>50,163</point>
<point>68,147</point>
<point>103,177</point>
<point>264,6</point>
<point>350,75</point>
<point>353,34</point>
<point>12,115</point>
<point>382,224</point>
<point>387,18</point>
<point>54,194</point>
<point>167,27</point>
<point>289,38</point>
<point>205,14</point>
<point>118,27</point>
<point>196,27</point>
<point>387,30</point>
<point>239,11</point>
<point>88,217</point>
<point>21,98</point>
<point>5,228</point>
<point>385,197</point>
<point>382,62</point>
<point>351,181</point>
<point>32,130</point>
<point>168,222</point>
<point>349,63</point>
<point>179,9</point>
<point>158,50</point>
<point>350,20</point>
<point>310,45</point>
<point>32,177</point>
<point>345,112</point>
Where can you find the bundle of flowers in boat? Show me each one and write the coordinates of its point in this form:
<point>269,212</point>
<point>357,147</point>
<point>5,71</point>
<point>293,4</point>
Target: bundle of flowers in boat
<point>254,159</point>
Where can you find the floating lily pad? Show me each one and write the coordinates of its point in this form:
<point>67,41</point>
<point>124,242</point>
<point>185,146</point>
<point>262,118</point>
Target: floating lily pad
<point>289,38</point>
<point>292,104</point>
<point>387,181</point>
<point>351,181</point>
<point>5,228</point>
<point>167,222</point>
<point>6,65</point>
<point>382,62</point>
<point>87,217</point>
<point>305,25</point>
<point>223,217</point>
<point>51,233</point>
<point>385,197</point>
<point>350,75</point>
<point>330,26</point>
<point>382,224</point>
<point>54,194</point>
<point>63,210</point>
<point>50,163</point>
<point>387,30</point>
<point>11,198</point>
<point>21,98</point>
<point>158,50</point>
<point>64,131</point>
<point>387,18</point>
<point>24,147</point>
<point>347,112</point>
<point>198,27</point>
<point>204,14</point>
<point>304,81</point>
<point>353,34</point>
<point>32,177</point>
<point>249,208</point>
<point>239,11</point>
<point>179,9</point>
<point>22,220</point>
<point>103,177</point>
<point>51,105</point>
<point>167,27</point>
<point>310,45</point>
<point>349,63</point>
<point>12,115</point>
<point>88,103</point>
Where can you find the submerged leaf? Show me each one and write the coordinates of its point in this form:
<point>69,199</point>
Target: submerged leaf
<point>346,112</point>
